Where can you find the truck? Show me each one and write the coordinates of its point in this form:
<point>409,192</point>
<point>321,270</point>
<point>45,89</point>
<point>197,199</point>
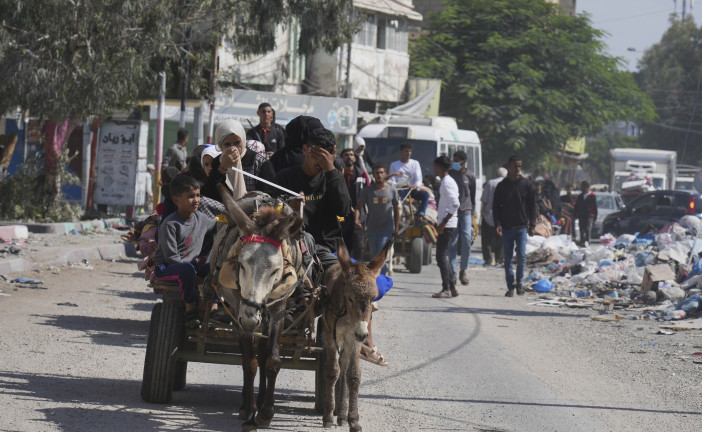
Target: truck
<point>685,177</point>
<point>635,171</point>
<point>430,137</point>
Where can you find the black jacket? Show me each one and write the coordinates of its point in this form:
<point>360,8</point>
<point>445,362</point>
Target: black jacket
<point>586,207</point>
<point>326,197</point>
<point>273,138</point>
<point>466,190</point>
<point>514,204</point>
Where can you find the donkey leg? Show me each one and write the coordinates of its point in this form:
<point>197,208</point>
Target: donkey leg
<point>331,375</point>
<point>262,356</point>
<point>342,396</point>
<point>249,366</point>
<point>353,380</point>
<point>273,362</point>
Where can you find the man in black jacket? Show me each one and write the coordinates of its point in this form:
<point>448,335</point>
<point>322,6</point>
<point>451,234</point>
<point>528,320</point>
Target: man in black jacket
<point>465,179</point>
<point>267,131</point>
<point>325,193</point>
<point>586,212</point>
<point>514,211</point>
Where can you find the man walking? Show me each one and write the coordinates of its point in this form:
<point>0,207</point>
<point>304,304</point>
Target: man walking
<point>177,154</point>
<point>514,210</point>
<point>490,241</point>
<point>272,135</point>
<point>354,180</point>
<point>465,179</point>
<point>407,171</point>
<point>448,209</point>
<point>586,212</point>
<point>383,205</point>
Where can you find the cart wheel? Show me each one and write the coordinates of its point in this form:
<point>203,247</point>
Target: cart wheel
<point>427,254</point>
<point>319,379</point>
<point>181,370</point>
<point>416,255</point>
<point>165,331</point>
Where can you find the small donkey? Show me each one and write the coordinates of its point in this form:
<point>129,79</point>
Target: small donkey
<point>351,289</point>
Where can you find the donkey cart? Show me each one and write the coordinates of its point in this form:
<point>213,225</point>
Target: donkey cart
<point>170,346</point>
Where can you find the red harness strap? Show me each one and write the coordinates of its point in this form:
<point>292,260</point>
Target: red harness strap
<point>259,239</point>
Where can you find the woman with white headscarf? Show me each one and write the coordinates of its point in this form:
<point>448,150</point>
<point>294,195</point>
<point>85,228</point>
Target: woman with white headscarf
<point>230,139</point>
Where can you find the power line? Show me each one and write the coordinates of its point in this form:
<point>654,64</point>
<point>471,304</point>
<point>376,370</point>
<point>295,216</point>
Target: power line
<point>634,16</point>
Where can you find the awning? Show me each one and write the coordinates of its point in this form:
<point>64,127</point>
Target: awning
<point>389,7</point>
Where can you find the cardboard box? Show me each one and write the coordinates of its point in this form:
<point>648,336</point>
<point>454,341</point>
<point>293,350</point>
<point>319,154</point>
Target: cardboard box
<point>656,273</point>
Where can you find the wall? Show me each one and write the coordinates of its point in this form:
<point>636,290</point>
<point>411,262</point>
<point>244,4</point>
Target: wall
<point>378,74</point>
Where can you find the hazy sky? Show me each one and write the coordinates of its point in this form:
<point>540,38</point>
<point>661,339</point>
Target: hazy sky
<point>634,24</point>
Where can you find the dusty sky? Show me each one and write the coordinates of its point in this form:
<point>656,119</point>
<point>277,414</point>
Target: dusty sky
<point>634,24</point>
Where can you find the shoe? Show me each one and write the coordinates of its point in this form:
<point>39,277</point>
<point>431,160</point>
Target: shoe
<point>130,237</point>
<point>372,355</point>
<point>509,293</point>
<point>220,316</point>
<point>442,294</point>
<point>520,289</point>
<point>454,293</point>
<point>463,278</point>
<point>192,319</point>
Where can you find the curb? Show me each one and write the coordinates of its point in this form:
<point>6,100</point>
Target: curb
<point>98,252</point>
<point>67,227</point>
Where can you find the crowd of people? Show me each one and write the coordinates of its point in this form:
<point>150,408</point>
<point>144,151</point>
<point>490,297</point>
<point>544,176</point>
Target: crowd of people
<point>345,197</point>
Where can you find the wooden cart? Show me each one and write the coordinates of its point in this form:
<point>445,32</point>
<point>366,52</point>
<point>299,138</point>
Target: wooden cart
<point>170,346</point>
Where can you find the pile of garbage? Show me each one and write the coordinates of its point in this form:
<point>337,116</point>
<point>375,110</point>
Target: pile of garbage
<point>656,273</point>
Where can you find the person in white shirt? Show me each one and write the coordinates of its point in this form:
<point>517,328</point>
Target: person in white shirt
<point>408,172</point>
<point>448,223</point>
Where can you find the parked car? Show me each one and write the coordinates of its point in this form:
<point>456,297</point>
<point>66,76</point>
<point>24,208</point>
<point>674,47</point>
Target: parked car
<point>607,203</point>
<point>657,208</point>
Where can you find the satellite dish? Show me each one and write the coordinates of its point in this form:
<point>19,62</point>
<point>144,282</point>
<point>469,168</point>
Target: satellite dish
<point>698,181</point>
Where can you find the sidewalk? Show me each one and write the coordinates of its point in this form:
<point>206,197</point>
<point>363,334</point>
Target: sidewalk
<point>59,244</point>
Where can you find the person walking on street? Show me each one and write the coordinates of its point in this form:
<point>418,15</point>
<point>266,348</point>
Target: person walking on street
<point>354,180</point>
<point>491,243</point>
<point>448,209</point>
<point>267,131</point>
<point>465,179</point>
<point>177,153</point>
<point>514,211</point>
<point>586,212</point>
<point>383,205</point>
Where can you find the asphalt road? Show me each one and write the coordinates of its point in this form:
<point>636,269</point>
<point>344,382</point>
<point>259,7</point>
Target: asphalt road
<point>71,359</point>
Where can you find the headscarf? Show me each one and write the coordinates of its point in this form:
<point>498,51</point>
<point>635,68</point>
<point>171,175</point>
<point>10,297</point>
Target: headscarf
<point>256,146</point>
<point>235,179</point>
<point>209,151</point>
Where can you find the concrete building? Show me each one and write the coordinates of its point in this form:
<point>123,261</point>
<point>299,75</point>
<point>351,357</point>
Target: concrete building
<point>567,5</point>
<point>372,69</point>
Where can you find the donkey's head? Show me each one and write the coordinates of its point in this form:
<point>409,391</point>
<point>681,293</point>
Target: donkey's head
<point>260,261</point>
<point>359,289</point>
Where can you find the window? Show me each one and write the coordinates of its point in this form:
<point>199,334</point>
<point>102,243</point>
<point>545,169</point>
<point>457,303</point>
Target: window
<point>367,34</point>
<point>392,34</point>
<point>644,205</point>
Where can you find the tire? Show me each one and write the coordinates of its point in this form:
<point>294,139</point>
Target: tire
<point>426,260</point>
<point>416,255</point>
<point>181,370</point>
<point>319,378</point>
<point>165,331</point>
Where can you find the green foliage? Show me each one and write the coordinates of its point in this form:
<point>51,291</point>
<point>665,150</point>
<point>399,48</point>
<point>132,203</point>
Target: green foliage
<point>524,76</point>
<point>74,58</point>
<point>670,74</point>
<point>22,198</point>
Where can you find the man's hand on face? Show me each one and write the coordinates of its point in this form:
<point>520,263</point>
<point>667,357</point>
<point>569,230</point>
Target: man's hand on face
<point>229,158</point>
<point>323,158</point>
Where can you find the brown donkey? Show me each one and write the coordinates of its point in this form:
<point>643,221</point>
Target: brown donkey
<point>351,289</point>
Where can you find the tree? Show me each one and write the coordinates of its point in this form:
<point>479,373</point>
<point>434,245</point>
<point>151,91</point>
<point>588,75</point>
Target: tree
<point>524,76</point>
<point>670,74</point>
<point>64,60</point>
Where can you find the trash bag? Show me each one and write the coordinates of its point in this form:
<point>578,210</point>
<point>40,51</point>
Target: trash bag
<point>690,222</point>
<point>664,240</point>
<point>542,286</point>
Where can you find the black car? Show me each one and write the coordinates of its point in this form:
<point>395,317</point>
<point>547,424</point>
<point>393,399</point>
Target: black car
<point>658,208</point>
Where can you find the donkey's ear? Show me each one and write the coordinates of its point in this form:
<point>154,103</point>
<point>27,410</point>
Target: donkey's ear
<point>288,227</point>
<point>343,255</point>
<point>243,222</point>
<point>376,265</point>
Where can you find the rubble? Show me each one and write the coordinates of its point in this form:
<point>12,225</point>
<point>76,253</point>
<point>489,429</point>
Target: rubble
<point>649,275</point>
